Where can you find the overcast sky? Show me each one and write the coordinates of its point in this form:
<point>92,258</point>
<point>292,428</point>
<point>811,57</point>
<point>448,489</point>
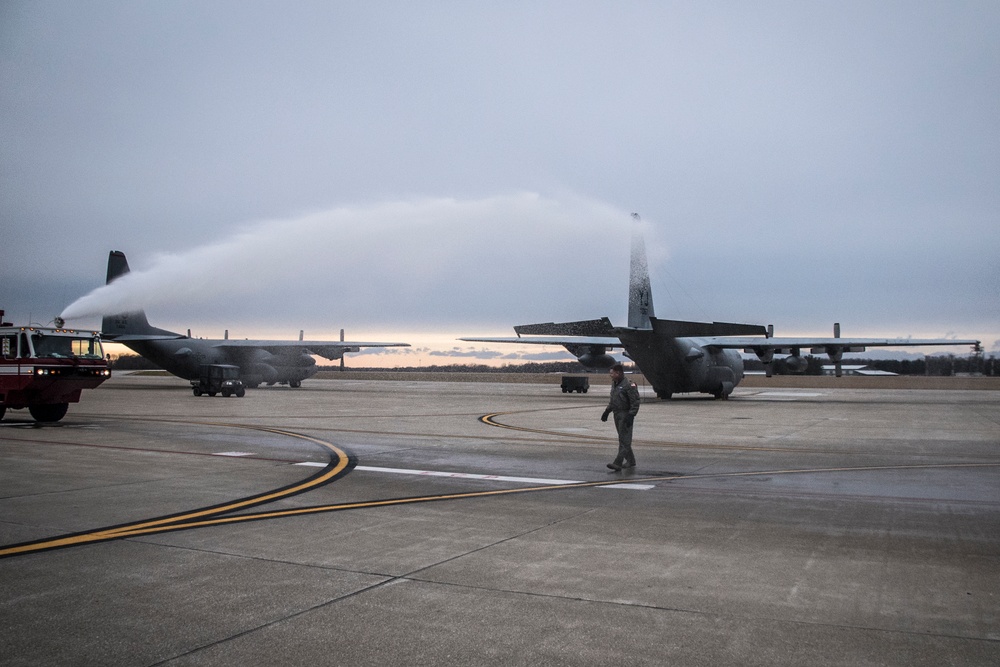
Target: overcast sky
<point>461,167</point>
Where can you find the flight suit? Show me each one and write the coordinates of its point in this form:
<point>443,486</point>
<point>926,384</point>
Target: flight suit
<point>624,404</point>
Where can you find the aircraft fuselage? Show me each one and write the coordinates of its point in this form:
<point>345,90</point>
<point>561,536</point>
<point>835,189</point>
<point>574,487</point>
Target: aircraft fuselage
<point>681,365</point>
<point>183,357</point>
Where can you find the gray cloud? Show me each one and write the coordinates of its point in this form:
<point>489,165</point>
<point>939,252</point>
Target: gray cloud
<point>796,163</point>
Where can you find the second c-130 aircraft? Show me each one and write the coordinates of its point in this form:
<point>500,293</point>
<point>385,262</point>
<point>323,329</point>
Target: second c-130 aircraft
<point>269,361</point>
<point>681,357</point>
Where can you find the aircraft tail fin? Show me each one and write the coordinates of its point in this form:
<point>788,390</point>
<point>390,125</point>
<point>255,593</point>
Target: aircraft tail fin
<point>640,295</point>
<point>132,325</point>
<point>117,266</point>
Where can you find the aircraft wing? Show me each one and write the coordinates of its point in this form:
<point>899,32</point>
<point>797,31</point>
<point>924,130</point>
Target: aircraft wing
<point>129,338</point>
<point>327,349</point>
<point>821,345</point>
<point>747,343</point>
<point>606,341</point>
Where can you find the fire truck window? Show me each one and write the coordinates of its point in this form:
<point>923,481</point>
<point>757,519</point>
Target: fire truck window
<point>87,347</point>
<point>25,350</point>
<point>57,347</point>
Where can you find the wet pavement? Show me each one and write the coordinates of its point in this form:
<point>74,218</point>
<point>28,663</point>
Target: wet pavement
<point>352,522</point>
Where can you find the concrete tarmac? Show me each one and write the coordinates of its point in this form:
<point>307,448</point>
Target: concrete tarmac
<point>353,522</point>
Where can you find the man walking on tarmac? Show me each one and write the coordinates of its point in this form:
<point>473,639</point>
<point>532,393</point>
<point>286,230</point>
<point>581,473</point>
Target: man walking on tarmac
<point>625,404</point>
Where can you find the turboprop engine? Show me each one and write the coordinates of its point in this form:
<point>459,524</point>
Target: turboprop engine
<point>265,372</point>
<point>592,356</point>
<point>795,364</point>
<point>597,361</point>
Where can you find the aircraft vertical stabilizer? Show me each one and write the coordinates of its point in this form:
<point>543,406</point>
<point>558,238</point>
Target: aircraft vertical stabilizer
<point>640,295</point>
<point>132,324</point>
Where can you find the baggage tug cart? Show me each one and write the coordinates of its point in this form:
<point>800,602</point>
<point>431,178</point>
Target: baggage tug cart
<point>577,383</point>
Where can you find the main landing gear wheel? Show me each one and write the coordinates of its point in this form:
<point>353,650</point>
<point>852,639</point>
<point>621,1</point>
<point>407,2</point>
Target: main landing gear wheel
<point>295,384</point>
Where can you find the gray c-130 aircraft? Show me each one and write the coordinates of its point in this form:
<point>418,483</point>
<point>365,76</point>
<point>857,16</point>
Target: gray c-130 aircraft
<point>676,356</point>
<point>270,361</point>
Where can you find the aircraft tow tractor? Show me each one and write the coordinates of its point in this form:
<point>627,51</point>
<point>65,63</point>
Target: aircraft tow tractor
<point>218,378</point>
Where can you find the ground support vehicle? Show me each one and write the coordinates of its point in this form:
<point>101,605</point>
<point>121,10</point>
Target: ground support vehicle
<point>577,383</point>
<point>218,378</point>
<point>45,369</point>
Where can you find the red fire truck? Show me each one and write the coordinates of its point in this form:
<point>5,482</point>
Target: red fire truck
<point>44,369</point>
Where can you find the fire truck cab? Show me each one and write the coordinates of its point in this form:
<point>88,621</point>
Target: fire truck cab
<point>45,369</point>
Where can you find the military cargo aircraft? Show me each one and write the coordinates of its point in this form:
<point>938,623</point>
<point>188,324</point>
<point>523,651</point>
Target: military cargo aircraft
<point>680,357</point>
<point>270,361</point>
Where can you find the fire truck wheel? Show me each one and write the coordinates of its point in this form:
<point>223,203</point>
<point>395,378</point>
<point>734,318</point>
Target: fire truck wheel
<point>49,413</point>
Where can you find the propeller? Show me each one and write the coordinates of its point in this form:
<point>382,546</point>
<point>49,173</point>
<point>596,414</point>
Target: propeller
<point>769,366</point>
<point>836,334</point>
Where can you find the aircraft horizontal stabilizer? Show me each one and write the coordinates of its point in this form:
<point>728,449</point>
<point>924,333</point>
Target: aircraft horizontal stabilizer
<point>601,327</point>
<point>684,329</point>
<point>606,341</point>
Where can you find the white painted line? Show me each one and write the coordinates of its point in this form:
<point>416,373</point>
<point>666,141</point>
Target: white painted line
<point>467,475</point>
<point>457,475</point>
<point>233,454</point>
<point>782,395</point>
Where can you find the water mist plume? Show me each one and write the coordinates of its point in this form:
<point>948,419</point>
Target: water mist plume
<point>427,258</point>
